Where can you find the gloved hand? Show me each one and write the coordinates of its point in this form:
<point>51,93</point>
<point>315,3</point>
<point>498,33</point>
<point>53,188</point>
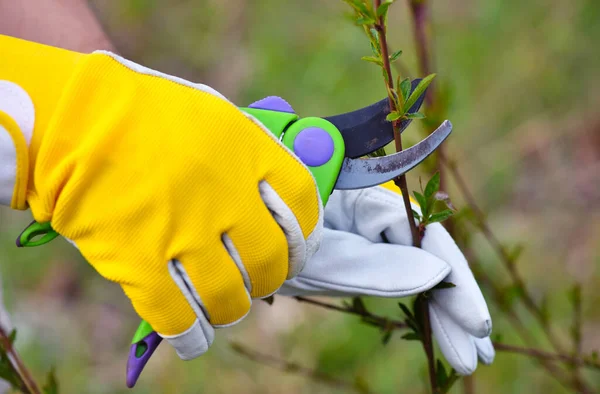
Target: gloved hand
<point>355,260</point>
<point>166,188</point>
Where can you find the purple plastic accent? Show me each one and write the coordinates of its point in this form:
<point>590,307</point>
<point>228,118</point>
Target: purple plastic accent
<point>314,146</point>
<point>273,103</point>
<point>136,365</point>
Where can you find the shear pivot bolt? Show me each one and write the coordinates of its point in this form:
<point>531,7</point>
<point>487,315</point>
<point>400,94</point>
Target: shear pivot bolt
<point>314,146</point>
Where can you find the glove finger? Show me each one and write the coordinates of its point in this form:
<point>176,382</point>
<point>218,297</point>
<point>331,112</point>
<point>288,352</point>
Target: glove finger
<point>170,308</point>
<point>465,302</point>
<point>347,264</point>
<point>457,345</point>
<point>485,350</point>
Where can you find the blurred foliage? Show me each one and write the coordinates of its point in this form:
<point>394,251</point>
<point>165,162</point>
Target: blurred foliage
<point>523,83</point>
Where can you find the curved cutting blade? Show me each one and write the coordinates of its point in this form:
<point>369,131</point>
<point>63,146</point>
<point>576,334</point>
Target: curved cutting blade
<point>363,173</point>
<point>366,130</point>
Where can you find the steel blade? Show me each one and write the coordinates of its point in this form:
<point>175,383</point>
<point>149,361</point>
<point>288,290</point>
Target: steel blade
<point>366,130</point>
<point>363,173</point>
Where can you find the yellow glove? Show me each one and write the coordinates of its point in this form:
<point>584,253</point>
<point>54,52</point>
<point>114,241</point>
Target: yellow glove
<point>166,188</point>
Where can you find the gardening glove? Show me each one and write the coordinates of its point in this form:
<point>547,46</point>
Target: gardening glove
<point>365,252</point>
<point>165,186</point>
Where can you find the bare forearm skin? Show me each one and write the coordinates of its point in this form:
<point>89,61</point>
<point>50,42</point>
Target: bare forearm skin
<point>68,24</point>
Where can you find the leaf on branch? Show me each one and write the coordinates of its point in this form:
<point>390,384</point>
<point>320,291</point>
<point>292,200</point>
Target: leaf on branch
<point>393,116</point>
<point>387,335</point>
<point>383,8</point>
<point>443,196</point>
<point>415,115</point>
<point>416,215</point>
<point>440,374</point>
<point>375,50</point>
<point>443,285</point>
<point>406,311</point>
<point>394,56</point>
<point>51,386</point>
<point>365,21</point>
<point>411,336</point>
<point>405,88</point>
<point>12,336</point>
<point>358,305</point>
<point>419,90</point>
<point>361,7</point>
<point>515,253</point>
<point>440,216</point>
<point>433,185</point>
<point>422,203</point>
<point>372,59</point>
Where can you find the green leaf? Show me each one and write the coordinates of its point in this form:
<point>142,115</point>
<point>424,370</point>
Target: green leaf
<point>395,55</point>
<point>383,8</point>
<point>411,336</point>
<point>385,339</point>
<point>12,336</point>
<point>358,305</point>
<point>433,185</point>
<point>443,285</point>
<point>365,21</point>
<point>51,386</point>
<point>405,88</point>
<point>440,374</point>
<point>416,215</point>
<point>440,216</point>
<point>359,6</point>
<point>422,203</point>
<point>406,311</point>
<point>418,92</point>
<point>415,115</point>
<point>393,116</point>
<point>372,59</point>
<point>375,50</point>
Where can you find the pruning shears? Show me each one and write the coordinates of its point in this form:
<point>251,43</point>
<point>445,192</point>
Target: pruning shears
<point>331,147</point>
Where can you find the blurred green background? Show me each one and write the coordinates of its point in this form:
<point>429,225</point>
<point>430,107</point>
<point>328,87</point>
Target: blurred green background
<point>524,79</point>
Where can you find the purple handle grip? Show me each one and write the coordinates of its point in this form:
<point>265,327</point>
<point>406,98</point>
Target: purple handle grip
<point>135,364</point>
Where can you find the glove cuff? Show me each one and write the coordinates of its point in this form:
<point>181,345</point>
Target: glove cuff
<point>16,129</point>
<point>32,79</point>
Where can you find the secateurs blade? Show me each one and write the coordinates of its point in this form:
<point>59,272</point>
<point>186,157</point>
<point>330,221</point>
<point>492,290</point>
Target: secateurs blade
<point>332,148</point>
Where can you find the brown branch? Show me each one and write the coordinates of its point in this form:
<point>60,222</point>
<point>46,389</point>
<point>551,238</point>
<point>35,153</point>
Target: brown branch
<point>292,367</point>
<point>28,382</point>
<point>427,342</point>
<point>581,361</point>
<point>401,180</point>
<point>374,320</point>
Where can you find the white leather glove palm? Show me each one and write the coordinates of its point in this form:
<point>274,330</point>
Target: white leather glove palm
<point>354,259</point>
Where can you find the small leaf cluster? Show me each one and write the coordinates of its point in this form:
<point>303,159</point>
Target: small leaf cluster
<point>373,21</point>
<point>427,200</point>
<point>10,374</point>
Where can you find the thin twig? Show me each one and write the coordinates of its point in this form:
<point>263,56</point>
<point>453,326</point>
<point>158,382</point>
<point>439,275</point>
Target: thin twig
<point>23,372</point>
<point>292,367</point>
<point>374,320</point>
<point>427,342</point>
<point>401,180</point>
<point>584,361</point>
